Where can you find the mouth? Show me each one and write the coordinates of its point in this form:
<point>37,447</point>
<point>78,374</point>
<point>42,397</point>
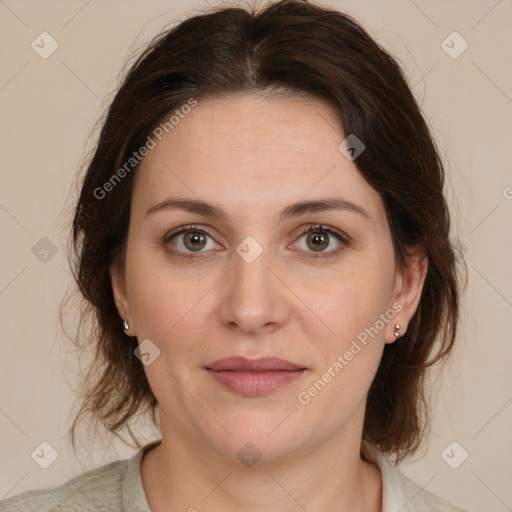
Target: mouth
<point>254,377</point>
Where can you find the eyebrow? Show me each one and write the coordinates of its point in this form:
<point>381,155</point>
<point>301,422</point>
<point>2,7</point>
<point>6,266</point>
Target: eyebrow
<point>293,210</point>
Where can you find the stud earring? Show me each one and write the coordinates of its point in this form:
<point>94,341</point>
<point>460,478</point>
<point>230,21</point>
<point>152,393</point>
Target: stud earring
<point>125,325</point>
<point>397,328</point>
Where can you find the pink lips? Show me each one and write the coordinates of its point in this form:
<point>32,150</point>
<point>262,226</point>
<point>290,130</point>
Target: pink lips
<point>254,377</point>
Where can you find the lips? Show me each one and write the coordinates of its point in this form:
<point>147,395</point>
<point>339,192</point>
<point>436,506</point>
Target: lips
<point>254,377</point>
<point>264,364</point>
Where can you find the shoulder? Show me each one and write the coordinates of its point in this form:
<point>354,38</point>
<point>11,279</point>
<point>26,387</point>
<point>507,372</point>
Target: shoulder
<point>413,498</point>
<point>401,493</point>
<point>98,489</point>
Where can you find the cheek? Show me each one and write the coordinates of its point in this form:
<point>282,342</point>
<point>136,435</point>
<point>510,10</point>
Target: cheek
<point>354,299</point>
<point>357,311</point>
<point>167,303</point>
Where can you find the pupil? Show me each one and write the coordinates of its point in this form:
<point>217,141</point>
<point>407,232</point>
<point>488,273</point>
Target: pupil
<point>193,240</point>
<point>318,240</point>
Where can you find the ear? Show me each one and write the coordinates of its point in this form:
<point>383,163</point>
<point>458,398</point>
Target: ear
<point>407,292</point>
<point>119,290</point>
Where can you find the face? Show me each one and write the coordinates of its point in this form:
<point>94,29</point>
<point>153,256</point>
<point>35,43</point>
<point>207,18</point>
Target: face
<point>251,261</point>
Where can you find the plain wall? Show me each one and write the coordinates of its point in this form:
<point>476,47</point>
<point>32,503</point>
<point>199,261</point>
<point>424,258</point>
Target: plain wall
<point>48,108</point>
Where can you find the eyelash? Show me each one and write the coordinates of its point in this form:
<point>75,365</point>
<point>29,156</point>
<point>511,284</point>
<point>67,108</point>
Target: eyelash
<point>317,227</point>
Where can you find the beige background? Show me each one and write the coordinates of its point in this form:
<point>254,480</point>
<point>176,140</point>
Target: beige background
<point>48,108</point>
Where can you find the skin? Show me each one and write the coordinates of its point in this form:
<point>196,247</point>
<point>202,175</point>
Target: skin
<point>252,155</point>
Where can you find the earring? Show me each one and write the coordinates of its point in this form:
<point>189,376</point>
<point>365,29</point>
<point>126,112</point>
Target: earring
<point>125,325</point>
<point>397,328</point>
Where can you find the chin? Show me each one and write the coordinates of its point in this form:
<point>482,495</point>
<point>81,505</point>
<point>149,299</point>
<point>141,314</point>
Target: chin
<point>265,437</point>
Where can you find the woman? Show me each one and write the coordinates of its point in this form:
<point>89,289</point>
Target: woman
<point>263,242</point>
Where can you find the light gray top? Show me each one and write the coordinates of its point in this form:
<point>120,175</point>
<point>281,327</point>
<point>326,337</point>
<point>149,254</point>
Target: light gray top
<point>118,487</point>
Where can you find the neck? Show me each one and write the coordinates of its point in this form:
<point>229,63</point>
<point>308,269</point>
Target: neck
<point>184,475</point>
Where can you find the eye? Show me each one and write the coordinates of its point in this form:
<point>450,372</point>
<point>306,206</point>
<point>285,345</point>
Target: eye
<point>320,238</point>
<point>189,240</point>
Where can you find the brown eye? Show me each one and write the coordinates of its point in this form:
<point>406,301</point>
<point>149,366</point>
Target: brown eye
<point>189,240</point>
<point>194,240</point>
<point>317,240</point>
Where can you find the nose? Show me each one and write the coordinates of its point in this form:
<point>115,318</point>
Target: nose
<point>255,299</point>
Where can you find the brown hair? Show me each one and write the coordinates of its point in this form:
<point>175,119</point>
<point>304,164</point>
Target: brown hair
<point>294,46</point>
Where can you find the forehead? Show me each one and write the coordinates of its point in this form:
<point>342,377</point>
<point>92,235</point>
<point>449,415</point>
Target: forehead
<point>253,153</point>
